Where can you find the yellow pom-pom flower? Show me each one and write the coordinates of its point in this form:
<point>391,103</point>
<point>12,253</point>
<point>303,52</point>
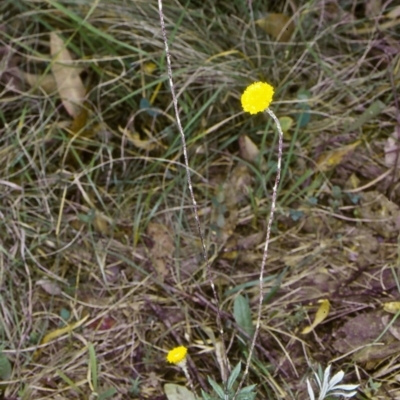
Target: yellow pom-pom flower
<point>257,97</point>
<point>177,355</point>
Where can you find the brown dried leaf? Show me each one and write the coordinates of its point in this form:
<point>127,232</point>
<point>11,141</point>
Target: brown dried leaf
<point>392,150</point>
<point>49,287</point>
<point>279,26</point>
<point>46,83</point>
<point>80,124</point>
<point>69,84</point>
<point>394,13</point>
<point>331,159</point>
<point>248,150</point>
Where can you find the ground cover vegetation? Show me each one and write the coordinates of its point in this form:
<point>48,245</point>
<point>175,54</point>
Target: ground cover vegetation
<point>102,271</point>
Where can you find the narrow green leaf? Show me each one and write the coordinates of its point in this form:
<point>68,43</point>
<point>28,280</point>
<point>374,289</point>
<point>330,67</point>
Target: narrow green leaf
<point>246,396</point>
<point>217,389</point>
<point>242,314</point>
<point>234,374</point>
<point>247,389</point>
<point>107,394</point>
<point>68,381</point>
<point>5,368</point>
<point>205,395</point>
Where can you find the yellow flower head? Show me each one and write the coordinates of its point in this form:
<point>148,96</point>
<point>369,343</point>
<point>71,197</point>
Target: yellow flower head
<point>257,97</point>
<point>177,355</point>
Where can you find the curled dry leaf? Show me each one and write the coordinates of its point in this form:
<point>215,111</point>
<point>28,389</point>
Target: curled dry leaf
<point>69,84</point>
<point>331,159</point>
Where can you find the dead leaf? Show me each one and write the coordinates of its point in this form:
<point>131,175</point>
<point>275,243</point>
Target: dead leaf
<point>162,247</point>
<point>279,26</point>
<point>79,126</point>
<point>49,287</point>
<point>321,314</point>
<point>394,330</point>
<point>248,150</point>
<point>394,13</point>
<point>353,182</point>
<point>69,84</point>
<point>46,83</point>
<point>331,159</point>
<point>149,68</point>
<point>392,150</point>
<point>392,307</point>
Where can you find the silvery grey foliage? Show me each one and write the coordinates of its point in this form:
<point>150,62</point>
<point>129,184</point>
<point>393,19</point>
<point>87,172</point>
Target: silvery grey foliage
<point>330,387</point>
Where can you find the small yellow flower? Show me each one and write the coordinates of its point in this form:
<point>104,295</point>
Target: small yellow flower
<point>257,97</point>
<point>177,355</point>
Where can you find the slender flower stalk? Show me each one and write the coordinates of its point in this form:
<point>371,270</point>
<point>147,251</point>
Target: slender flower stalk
<point>257,98</point>
<point>189,181</point>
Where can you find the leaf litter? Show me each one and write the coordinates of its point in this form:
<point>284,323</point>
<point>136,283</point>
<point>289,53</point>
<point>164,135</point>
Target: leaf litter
<point>338,247</point>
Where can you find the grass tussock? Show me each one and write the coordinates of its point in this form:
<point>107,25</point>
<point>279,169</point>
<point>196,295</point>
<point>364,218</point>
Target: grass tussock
<point>101,270</point>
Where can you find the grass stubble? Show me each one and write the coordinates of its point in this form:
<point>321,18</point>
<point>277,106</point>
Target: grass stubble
<point>75,213</point>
